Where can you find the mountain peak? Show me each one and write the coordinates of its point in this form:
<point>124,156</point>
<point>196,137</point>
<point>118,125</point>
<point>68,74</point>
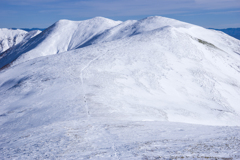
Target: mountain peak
<point>92,20</point>
<point>62,21</point>
<point>99,18</point>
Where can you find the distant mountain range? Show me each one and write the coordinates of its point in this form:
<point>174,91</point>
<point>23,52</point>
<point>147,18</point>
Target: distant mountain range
<point>29,29</point>
<point>234,32</point>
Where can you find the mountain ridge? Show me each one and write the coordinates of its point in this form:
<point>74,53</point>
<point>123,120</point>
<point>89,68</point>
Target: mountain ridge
<point>113,30</point>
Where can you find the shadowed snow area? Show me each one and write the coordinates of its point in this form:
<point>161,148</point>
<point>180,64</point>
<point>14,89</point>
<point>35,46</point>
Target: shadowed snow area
<point>104,89</point>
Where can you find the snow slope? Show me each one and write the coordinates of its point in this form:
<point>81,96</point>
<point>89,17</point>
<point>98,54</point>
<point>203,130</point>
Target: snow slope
<point>123,92</point>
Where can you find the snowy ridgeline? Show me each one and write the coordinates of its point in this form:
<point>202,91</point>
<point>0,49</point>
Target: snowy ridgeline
<point>104,89</point>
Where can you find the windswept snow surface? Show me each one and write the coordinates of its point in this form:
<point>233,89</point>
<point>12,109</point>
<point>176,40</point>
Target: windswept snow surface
<point>125,90</point>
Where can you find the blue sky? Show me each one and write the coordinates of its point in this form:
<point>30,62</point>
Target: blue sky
<point>43,13</point>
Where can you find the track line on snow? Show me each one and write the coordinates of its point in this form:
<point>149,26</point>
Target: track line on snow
<point>115,151</point>
<point>82,82</point>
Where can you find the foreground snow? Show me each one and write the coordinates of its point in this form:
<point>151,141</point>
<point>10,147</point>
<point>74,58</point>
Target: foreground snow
<point>78,139</point>
<point>123,90</point>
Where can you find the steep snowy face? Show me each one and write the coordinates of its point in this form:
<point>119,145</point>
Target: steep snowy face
<point>9,38</point>
<point>156,69</point>
<point>62,36</point>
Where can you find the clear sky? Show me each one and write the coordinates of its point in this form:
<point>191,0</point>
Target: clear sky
<point>43,13</point>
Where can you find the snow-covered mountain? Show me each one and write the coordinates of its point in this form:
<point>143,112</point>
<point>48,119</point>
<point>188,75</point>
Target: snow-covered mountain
<point>77,85</point>
<point>149,62</point>
<point>10,37</point>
